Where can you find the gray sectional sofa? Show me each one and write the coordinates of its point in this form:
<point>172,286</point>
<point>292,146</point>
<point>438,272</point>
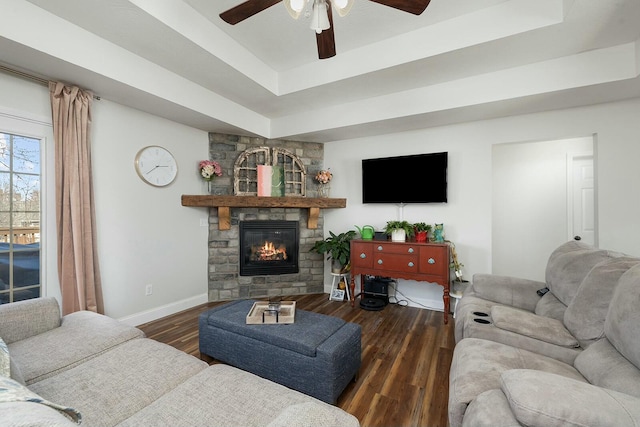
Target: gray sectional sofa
<point>570,357</point>
<point>92,368</point>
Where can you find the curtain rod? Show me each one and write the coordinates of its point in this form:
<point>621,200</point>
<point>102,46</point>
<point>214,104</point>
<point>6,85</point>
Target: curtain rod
<point>39,80</point>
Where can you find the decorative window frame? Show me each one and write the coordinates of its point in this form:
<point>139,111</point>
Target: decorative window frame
<point>245,171</point>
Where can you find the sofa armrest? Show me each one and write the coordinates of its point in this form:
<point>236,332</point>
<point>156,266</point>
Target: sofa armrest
<point>542,399</point>
<point>511,291</point>
<point>531,325</point>
<point>24,319</point>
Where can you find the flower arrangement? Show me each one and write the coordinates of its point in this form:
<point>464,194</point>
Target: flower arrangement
<point>209,169</point>
<point>324,176</point>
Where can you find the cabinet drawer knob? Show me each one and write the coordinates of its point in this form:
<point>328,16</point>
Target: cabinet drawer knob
<point>380,247</point>
<point>410,264</point>
<point>410,250</point>
<point>379,262</point>
<point>363,255</point>
<point>431,261</point>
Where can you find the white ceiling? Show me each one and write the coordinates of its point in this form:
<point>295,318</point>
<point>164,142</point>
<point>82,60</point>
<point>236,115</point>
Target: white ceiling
<point>460,60</point>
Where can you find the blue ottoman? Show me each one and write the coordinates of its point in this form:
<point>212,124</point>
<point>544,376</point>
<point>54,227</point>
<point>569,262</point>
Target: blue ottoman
<point>317,354</point>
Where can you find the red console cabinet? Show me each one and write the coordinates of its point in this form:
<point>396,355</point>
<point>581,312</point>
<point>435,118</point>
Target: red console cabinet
<point>426,262</point>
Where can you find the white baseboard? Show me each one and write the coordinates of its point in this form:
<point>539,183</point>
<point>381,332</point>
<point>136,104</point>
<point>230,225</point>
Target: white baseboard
<point>425,303</point>
<point>165,310</point>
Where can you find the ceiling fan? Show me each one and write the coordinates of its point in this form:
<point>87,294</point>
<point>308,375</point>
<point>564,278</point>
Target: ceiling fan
<point>320,13</point>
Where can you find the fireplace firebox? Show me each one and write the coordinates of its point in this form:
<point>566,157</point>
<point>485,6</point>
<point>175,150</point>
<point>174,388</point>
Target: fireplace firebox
<point>268,247</point>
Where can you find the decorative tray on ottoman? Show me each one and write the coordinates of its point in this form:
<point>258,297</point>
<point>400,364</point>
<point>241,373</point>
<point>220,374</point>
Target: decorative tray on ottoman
<point>265,312</point>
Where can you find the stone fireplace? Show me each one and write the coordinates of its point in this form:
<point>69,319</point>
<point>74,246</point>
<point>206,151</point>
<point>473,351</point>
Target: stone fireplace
<point>225,279</point>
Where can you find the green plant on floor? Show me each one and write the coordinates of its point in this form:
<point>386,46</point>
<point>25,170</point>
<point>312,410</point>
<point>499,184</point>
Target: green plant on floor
<point>337,246</point>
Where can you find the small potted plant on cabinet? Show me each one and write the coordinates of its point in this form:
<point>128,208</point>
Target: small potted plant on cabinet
<point>339,249</point>
<point>422,230</point>
<point>399,230</point>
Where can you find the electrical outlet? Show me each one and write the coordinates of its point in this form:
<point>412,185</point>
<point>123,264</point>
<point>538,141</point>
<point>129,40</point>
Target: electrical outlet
<point>204,222</point>
<point>148,290</point>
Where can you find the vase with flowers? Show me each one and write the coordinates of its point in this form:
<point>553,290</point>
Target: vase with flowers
<point>323,178</point>
<point>209,169</point>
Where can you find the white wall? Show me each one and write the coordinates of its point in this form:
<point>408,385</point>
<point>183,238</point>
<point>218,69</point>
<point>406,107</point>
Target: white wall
<point>468,215</point>
<point>530,203</point>
<point>145,236</point>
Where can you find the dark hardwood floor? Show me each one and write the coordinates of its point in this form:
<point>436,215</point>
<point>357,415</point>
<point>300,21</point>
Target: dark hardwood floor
<point>406,355</point>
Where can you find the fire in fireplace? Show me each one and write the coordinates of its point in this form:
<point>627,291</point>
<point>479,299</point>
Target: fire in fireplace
<point>268,247</point>
<point>268,252</point>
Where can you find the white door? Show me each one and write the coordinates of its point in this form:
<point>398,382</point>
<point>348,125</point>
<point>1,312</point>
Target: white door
<point>581,204</point>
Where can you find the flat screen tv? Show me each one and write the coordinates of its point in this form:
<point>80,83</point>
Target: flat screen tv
<point>419,178</point>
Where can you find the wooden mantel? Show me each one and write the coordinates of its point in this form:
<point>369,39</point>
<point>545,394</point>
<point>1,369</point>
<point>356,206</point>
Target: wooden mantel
<point>224,203</point>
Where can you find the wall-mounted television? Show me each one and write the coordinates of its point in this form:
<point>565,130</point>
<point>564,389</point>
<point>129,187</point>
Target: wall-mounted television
<point>419,178</point>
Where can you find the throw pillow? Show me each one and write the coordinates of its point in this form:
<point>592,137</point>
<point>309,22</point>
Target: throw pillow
<point>5,364</point>
<point>12,391</point>
<point>12,371</point>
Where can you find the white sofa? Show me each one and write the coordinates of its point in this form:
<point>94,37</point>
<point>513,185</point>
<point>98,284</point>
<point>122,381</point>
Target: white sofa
<point>94,367</point>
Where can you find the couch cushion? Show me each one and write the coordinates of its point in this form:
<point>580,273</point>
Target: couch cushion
<point>569,265</point>
<point>303,336</point>
<point>601,364</point>
<point>12,392</point>
<point>512,291</point>
<point>30,414</point>
<point>24,319</point>
<point>490,409</point>
<point>237,398</point>
<point>532,325</point>
<point>623,318</point>
<point>477,365</point>
<point>550,306</point>
<point>585,315</point>
<point>542,399</point>
<point>469,304</point>
<point>537,344</point>
<point>122,381</point>
<point>81,336</point>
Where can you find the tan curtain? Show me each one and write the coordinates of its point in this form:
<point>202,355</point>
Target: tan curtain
<point>78,269</point>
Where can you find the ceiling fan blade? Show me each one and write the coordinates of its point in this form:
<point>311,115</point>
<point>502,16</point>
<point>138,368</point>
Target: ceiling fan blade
<point>326,40</point>
<point>246,10</point>
<point>412,6</point>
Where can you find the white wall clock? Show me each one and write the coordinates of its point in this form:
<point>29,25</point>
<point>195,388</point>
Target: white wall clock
<point>156,166</point>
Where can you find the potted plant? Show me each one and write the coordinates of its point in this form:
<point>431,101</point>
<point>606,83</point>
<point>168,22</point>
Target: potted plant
<point>422,230</point>
<point>339,249</point>
<point>399,230</point>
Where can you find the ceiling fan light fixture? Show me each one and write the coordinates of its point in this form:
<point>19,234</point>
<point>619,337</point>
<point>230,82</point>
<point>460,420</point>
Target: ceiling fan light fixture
<point>319,16</point>
<point>295,7</point>
<point>343,6</point>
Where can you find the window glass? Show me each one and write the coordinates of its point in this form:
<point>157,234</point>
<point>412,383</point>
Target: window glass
<point>19,218</point>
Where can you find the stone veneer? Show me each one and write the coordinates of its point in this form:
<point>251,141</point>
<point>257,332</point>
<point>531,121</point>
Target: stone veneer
<point>225,282</point>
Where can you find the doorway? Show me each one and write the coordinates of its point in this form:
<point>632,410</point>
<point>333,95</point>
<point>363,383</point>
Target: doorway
<point>581,223</point>
<point>534,208</point>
